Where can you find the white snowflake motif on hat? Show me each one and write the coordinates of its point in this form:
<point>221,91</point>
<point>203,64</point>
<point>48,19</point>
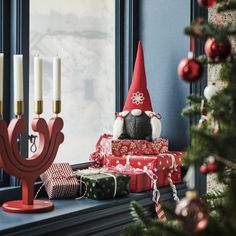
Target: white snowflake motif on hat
<point>137,98</point>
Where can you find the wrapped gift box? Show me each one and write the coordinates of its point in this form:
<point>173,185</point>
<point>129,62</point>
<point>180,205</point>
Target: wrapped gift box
<point>107,146</point>
<point>103,184</point>
<point>139,180</point>
<point>159,164</point>
<point>60,181</point>
<point>138,147</point>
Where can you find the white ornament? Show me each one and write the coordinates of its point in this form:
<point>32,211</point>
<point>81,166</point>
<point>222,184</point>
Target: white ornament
<point>210,91</point>
<point>211,159</point>
<point>137,98</point>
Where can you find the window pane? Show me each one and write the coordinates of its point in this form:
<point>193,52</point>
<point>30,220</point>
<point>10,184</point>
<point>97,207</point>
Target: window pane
<point>82,34</point>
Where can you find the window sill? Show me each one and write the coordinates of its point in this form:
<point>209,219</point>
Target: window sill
<point>83,217</point>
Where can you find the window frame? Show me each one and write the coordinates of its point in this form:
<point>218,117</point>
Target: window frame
<point>15,26</point>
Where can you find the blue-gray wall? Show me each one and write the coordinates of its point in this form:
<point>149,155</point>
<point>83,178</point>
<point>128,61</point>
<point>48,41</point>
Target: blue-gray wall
<point>161,25</point>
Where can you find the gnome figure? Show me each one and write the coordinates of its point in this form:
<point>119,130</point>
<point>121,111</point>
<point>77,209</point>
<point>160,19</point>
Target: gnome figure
<point>137,120</point>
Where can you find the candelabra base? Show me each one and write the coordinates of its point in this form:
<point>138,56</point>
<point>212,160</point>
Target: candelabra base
<point>17,206</point>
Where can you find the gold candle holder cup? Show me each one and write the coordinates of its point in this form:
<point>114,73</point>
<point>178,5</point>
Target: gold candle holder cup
<point>19,108</point>
<point>1,108</point>
<point>56,106</point>
<point>38,107</point>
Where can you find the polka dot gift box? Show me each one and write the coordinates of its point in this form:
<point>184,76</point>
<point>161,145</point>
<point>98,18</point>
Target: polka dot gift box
<point>103,184</point>
<point>162,165</point>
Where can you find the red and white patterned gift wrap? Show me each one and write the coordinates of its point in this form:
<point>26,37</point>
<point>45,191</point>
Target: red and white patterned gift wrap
<point>107,146</point>
<point>60,181</point>
<point>138,147</point>
<point>102,148</point>
<point>160,164</point>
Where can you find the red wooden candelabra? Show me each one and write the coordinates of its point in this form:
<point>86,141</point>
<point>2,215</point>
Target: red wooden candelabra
<point>29,169</point>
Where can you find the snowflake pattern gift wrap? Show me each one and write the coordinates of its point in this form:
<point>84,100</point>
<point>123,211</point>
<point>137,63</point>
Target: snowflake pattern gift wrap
<point>60,181</point>
<point>161,165</point>
<point>103,184</point>
<point>107,146</point>
<point>138,147</point>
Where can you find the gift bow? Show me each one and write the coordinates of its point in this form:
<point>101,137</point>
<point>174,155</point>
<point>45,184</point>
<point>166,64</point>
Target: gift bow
<point>93,171</point>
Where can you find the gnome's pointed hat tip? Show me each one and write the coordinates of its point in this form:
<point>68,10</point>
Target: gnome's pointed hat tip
<point>138,96</point>
<point>140,47</point>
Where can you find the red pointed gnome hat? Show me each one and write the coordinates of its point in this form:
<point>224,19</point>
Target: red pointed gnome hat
<point>138,96</point>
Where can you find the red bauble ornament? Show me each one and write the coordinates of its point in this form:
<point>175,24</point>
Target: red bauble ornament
<point>217,50</point>
<point>212,166</point>
<point>190,70</point>
<point>204,169</point>
<point>192,212</point>
<point>206,3</point>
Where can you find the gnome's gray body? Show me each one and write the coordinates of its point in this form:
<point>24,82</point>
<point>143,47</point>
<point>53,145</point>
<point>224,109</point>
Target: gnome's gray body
<point>137,124</point>
<point>137,127</point>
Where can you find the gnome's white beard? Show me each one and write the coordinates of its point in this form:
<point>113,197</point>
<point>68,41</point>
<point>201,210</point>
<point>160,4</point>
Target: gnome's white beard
<point>119,123</point>
<point>156,128</point>
<point>155,124</point>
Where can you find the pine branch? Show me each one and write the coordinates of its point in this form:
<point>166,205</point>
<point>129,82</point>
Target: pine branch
<point>201,29</point>
<point>169,211</point>
<point>139,214</point>
<point>226,162</point>
<point>170,228</point>
<point>191,111</point>
<point>228,6</point>
<point>213,195</point>
<point>195,98</point>
<point>214,199</point>
<point>133,230</point>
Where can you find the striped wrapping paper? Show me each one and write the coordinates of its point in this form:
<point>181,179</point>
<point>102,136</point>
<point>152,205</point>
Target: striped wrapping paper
<point>60,181</point>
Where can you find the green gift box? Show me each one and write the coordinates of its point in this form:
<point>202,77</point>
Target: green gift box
<point>103,184</point>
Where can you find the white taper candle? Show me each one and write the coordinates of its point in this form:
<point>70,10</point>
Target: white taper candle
<point>38,79</point>
<point>18,78</point>
<point>1,76</point>
<point>56,79</point>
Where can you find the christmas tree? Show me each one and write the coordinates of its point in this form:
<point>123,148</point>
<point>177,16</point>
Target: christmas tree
<point>213,138</point>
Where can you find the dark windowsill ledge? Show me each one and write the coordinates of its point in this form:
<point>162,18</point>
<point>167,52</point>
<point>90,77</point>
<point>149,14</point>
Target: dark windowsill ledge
<point>81,217</point>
